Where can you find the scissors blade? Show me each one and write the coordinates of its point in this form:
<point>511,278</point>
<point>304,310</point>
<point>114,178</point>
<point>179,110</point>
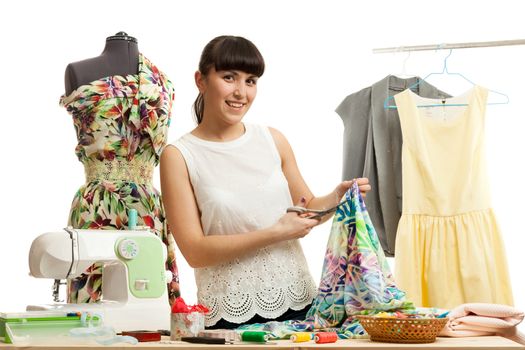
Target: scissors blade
<point>327,211</point>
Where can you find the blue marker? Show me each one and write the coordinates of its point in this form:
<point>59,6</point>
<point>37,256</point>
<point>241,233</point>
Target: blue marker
<point>443,315</point>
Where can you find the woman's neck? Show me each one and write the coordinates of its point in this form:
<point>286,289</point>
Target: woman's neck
<point>219,133</point>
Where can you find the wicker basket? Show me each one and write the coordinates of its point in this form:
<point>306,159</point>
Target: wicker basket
<point>402,330</point>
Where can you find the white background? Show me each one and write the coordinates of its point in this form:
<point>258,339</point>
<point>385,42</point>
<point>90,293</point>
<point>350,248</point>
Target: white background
<point>316,54</point>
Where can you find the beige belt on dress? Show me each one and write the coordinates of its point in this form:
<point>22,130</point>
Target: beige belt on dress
<point>134,170</point>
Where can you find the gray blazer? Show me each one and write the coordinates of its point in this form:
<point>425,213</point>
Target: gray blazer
<point>372,148</point>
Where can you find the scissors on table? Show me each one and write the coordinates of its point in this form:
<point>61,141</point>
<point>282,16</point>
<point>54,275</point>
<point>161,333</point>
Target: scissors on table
<point>318,214</point>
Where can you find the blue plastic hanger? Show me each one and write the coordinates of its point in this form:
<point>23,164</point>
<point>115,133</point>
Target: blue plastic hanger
<point>445,71</point>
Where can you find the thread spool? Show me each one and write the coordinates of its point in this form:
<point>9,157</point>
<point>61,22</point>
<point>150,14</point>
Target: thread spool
<point>325,337</point>
<point>253,336</point>
<point>300,337</point>
<point>132,219</point>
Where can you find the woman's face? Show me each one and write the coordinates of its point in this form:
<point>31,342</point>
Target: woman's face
<point>227,94</point>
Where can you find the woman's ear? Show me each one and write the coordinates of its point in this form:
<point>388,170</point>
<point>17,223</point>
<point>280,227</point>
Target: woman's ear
<point>200,81</point>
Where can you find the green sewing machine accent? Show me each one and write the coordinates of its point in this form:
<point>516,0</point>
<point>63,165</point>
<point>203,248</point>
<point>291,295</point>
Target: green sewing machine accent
<point>141,256</point>
<point>36,323</point>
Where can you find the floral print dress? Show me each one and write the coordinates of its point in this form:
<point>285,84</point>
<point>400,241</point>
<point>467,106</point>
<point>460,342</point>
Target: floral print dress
<point>121,124</point>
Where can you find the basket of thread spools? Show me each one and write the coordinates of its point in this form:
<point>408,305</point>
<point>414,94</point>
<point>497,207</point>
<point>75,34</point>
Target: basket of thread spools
<point>399,327</point>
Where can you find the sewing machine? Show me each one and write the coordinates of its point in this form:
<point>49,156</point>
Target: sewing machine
<point>134,277</point>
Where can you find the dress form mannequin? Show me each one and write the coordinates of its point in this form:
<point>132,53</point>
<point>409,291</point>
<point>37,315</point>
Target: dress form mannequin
<point>120,57</point>
<point>120,104</point>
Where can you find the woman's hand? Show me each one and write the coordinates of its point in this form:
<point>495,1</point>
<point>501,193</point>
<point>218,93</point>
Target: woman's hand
<point>362,182</point>
<point>293,225</point>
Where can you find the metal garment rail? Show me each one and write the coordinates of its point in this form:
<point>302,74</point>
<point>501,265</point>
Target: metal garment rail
<point>450,46</point>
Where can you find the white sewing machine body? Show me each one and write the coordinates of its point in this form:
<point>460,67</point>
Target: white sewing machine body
<point>134,276</point>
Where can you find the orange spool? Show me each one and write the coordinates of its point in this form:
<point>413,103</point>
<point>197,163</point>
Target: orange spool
<point>325,337</point>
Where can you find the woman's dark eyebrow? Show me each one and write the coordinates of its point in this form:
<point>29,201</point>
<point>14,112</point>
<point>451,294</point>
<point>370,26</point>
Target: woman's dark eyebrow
<point>236,72</point>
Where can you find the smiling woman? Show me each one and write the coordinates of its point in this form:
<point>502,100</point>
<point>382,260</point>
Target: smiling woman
<point>228,94</point>
<point>232,56</point>
<point>226,187</point>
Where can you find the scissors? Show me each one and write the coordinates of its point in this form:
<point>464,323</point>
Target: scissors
<point>318,213</point>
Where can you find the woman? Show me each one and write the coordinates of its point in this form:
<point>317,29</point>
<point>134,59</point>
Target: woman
<point>226,186</point>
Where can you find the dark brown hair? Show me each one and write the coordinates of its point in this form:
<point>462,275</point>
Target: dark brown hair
<point>228,52</point>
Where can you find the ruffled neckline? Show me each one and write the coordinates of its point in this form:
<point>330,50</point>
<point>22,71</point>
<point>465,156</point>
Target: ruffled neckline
<point>149,94</point>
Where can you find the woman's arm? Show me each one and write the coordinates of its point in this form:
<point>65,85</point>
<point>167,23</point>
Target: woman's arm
<point>298,187</point>
<point>184,220</point>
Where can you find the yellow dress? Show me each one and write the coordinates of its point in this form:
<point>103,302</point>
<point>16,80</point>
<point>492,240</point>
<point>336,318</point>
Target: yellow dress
<point>449,250</point>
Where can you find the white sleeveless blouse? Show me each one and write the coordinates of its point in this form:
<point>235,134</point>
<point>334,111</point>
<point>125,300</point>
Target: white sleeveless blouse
<point>240,187</point>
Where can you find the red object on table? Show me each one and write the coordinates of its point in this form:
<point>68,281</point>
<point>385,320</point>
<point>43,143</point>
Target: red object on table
<point>143,336</point>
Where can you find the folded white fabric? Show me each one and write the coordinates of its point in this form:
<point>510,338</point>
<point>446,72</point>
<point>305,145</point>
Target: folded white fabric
<point>478,319</point>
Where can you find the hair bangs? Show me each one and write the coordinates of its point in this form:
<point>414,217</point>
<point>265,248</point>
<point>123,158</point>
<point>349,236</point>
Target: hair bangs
<point>239,55</point>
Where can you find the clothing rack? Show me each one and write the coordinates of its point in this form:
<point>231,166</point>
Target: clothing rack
<point>450,46</point>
